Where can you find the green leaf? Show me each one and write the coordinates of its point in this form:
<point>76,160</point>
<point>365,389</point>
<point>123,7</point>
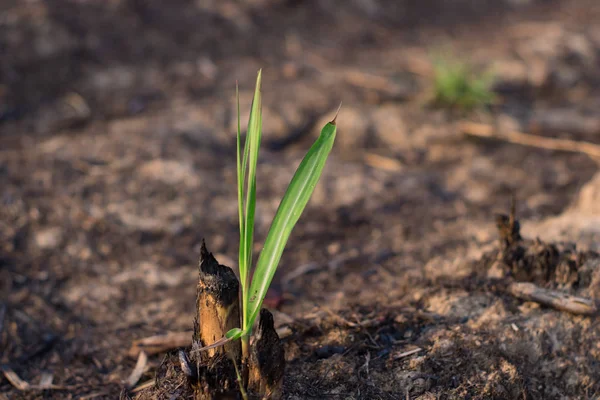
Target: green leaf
<point>240,181</point>
<point>234,333</point>
<point>293,203</point>
<point>246,174</point>
<point>253,138</point>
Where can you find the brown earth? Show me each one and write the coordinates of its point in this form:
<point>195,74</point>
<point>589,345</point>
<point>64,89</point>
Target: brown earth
<point>117,157</point>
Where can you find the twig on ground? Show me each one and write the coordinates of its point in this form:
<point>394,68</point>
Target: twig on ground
<point>406,353</point>
<point>137,372</point>
<point>552,298</point>
<point>487,131</point>
<point>161,343</point>
<point>20,384</point>
<point>15,380</point>
<point>142,386</point>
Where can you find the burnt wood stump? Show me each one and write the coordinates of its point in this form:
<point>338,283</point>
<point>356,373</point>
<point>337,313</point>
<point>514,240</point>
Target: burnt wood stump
<point>211,374</point>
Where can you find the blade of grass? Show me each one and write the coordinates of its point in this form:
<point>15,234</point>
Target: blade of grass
<point>240,180</point>
<point>234,333</point>
<point>293,203</point>
<point>253,138</point>
<point>241,176</point>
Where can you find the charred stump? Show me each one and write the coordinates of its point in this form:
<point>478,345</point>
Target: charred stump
<point>550,274</point>
<point>267,360</point>
<point>211,374</point>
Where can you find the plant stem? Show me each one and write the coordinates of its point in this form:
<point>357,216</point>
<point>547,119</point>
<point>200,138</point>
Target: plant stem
<point>245,357</point>
<point>241,384</point>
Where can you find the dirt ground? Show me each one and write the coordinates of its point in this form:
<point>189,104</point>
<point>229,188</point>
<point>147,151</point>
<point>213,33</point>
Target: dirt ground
<point>117,154</point>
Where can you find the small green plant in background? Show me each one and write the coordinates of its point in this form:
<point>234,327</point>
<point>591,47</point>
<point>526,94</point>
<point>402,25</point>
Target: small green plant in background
<point>291,207</point>
<point>457,85</point>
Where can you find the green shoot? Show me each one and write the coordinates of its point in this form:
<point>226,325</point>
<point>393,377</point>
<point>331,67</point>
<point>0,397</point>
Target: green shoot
<point>457,86</point>
<point>291,207</point>
<point>246,174</point>
<point>247,205</point>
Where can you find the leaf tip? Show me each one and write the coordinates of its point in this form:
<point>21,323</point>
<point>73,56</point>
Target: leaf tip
<point>333,121</point>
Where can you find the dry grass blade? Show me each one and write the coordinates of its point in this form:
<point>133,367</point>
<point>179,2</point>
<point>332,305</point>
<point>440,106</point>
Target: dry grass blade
<point>20,384</point>
<point>142,386</point>
<point>137,372</point>
<point>14,379</point>
<point>487,131</point>
<point>552,298</point>
<point>161,343</point>
<point>406,353</point>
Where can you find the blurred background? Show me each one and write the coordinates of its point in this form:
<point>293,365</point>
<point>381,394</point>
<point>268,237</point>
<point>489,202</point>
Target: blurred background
<point>117,154</point>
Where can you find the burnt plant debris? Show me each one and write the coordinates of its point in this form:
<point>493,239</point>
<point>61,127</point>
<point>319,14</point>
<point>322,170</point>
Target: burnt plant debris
<point>194,373</point>
<point>267,359</point>
<point>548,265</point>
